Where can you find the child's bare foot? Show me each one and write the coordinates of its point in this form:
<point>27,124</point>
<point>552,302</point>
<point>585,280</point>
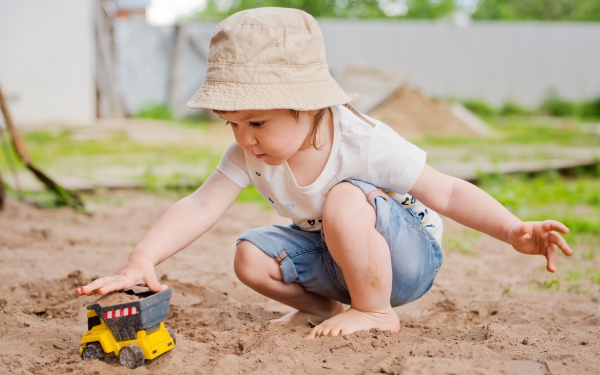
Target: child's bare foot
<point>297,318</point>
<point>353,320</point>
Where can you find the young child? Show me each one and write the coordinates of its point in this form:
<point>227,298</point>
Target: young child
<point>346,180</point>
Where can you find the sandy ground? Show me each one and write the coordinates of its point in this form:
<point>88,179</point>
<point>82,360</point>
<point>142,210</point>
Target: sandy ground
<point>484,314</point>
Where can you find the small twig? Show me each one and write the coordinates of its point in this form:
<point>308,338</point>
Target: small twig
<point>350,344</point>
<point>488,331</point>
<point>310,324</point>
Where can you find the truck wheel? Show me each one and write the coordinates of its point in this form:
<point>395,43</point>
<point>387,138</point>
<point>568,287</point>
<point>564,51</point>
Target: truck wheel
<point>93,350</point>
<point>172,336</point>
<point>131,356</point>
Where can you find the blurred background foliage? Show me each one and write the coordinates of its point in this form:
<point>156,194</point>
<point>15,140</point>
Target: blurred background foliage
<point>546,10</point>
<point>536,10</point>
<point>553,105</point>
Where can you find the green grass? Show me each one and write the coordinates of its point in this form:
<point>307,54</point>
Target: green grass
<point>543,189</point>
<point>513,109</point>
<point>183,185</point>
<point>521,130</point>
<point>464,244</point>
<point>480,108</point>
<point>553,105</point>
<point>573,200</point>
<point>251,194</point>
<point>52,149</point>
<point>156,112</point>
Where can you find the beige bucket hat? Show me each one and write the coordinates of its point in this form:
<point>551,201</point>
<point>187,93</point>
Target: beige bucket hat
<point>268,58</point>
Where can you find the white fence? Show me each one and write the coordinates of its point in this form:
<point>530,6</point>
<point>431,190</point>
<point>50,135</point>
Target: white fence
<point>495,62</point>
<point>492,61</point>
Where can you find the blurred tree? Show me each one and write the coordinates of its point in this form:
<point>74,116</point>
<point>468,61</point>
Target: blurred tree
<point>219,9</point>
<point>428,9</point>
<point>544,10</point>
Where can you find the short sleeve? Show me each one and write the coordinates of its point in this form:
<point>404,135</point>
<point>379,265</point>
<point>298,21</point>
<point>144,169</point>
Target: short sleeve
<point>233,165</point>
<point>396,164</point>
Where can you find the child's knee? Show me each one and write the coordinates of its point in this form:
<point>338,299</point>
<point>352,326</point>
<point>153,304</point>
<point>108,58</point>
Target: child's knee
<point>245,254</point>
<point>252,266</point>
<point>346,203</point>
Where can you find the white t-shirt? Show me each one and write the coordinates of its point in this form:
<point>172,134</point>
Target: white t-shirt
<point>377,155</point>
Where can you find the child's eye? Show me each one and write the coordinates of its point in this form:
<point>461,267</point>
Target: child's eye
<point>257,124</point>
<point>233,124</point>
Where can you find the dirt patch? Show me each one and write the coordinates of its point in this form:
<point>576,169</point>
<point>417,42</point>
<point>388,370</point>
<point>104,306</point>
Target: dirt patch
<point>413,116</point>
<point>467,324</point>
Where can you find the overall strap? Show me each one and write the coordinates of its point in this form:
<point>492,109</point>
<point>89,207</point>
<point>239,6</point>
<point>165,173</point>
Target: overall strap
<point>358,114</point>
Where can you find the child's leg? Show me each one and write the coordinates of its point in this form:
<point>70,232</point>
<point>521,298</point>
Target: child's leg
<point>364,257</point>
<point>260,272</point>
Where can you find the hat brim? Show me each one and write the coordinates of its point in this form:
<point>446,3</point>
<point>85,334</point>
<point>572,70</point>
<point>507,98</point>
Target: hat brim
<point>301,96</point>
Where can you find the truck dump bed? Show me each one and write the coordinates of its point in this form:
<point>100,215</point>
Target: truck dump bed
<point>124,320</point>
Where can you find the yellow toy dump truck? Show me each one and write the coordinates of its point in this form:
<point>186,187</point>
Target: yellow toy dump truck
<point>132,331</point>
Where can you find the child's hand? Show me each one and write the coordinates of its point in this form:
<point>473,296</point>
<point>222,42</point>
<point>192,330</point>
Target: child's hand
<point>139,270</point>
<point>540,238</point>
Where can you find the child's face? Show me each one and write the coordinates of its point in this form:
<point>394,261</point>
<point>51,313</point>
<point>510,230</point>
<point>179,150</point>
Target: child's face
<point>272,136</point>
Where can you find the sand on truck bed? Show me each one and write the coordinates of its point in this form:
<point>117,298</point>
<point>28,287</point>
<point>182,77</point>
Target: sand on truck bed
<point>486,313</point>
<point>116,298</point>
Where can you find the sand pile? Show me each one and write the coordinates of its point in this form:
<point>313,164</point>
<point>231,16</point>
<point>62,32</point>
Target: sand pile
<point>413,115</point>
<point>116,298</point>
<point>385,96</point>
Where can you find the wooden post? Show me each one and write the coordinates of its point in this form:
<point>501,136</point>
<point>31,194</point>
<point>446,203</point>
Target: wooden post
<point>2,193</point>
<point>110,101</point>
<point>179,39</point>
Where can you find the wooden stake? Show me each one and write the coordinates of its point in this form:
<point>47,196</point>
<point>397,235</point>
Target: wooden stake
<point>10,163</point>
<point>68,197</point>
<point>2,194</point>
<point>15,137</point>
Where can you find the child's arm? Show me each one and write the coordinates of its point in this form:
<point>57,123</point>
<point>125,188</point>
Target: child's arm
<point>471,206</point>
<point>182,224</point>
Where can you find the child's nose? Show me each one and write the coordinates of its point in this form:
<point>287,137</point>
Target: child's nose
<point>247,138</point>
